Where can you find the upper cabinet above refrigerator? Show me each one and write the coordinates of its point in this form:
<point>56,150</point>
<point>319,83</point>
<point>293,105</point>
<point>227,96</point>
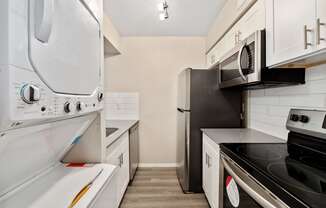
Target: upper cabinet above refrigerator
<point>296,32</point>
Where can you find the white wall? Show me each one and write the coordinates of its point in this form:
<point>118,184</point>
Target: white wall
<point>149,65</point>
<point>268,109</point>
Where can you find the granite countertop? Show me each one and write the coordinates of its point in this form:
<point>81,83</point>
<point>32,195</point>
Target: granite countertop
<point>243,135</point>
<point>122,125</point>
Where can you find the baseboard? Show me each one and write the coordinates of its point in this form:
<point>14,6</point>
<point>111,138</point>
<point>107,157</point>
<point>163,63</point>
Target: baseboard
<point>157,165</point>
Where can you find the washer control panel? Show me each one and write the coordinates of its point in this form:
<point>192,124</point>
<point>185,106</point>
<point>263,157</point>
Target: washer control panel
<point>32,101</point>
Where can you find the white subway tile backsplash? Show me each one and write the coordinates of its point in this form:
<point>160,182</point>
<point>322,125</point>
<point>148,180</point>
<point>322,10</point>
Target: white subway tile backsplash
<point>122,106</point>
<point>266,100</point>
<point>281,111</point>
<point>317,73</point>
<point>314,100</point>
<point>269,108</point>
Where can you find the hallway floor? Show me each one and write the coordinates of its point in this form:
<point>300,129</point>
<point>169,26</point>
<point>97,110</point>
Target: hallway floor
<point>159,188</point>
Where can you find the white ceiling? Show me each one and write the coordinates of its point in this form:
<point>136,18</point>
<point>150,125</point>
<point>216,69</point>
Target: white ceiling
<point>141,17</point>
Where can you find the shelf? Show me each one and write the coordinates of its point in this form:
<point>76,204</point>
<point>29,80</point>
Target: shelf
<point>111,38</point>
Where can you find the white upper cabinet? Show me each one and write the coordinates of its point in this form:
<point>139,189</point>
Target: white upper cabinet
<point>290,34</point>
<point>321,24</point>
<point>211,58</point>
<point>252,20</point>
<point>295,32</point>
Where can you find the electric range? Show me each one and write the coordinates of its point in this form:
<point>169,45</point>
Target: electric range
<point>292,174</point>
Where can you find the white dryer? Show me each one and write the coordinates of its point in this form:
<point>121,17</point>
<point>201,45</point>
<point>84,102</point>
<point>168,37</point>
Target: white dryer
<point>50,61</point>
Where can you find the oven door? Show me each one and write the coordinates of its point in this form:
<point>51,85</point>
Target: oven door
<point>240,190</point>
<point>242,65</point>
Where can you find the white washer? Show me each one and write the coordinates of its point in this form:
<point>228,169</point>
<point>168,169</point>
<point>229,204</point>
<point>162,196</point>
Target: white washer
<point>50,61</point>
<point>32,174</point>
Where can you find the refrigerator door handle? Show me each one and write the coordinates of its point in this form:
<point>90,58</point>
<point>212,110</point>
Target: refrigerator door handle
<point>180,110</point>
<point>183,110</point>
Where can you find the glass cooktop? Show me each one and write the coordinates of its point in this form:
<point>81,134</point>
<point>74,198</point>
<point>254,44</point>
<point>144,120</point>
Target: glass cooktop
<point>292,171</point>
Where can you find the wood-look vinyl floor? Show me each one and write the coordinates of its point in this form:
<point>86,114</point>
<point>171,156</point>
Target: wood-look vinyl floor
<point>159,188</point>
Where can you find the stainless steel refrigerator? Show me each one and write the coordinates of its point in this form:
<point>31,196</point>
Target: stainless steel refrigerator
<point>201,104</point>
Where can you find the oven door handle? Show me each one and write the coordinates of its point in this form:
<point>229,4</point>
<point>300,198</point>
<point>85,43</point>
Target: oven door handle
<point>250,191</point>
<point>239,62</point>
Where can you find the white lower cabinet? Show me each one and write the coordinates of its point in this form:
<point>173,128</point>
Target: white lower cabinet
<point>211,159</point>
<point>118,155</point>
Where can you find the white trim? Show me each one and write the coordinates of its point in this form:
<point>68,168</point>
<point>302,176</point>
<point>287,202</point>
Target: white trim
<point>157,165</point>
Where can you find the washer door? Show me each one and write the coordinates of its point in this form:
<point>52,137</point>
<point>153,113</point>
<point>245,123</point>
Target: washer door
<point>65,45</point>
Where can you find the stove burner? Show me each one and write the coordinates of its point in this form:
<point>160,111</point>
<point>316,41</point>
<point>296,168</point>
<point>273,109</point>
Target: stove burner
<point>257,153</point>
<point>299,176</point>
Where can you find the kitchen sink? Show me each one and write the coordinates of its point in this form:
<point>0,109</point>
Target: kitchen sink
<point>110,131</point>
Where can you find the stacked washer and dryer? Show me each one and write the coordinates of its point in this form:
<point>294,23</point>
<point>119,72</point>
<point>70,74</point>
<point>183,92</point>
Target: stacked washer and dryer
<point>51,93</point>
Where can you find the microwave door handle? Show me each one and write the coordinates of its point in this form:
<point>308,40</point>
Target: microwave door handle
<point>239,62</point>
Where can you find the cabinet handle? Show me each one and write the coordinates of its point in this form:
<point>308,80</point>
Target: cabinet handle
<point>208,161</point>
<point>206,158</point>
<point>318,39</point>
<point>236,38</point>
<point>306,30</point>
<point>212,59</point>
<point>239,35</point>
<point>120,160</point>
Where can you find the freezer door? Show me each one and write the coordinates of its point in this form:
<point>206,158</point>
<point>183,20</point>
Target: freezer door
<point>184,89</point>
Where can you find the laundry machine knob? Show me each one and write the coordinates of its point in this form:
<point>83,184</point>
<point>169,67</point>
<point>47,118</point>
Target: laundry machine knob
<point>67,107</point>
<point>79,106</point>
<point>100,96</point>
<point>30,93</point>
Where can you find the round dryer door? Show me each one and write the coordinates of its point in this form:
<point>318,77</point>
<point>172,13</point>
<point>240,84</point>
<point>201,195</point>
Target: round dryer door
<point>65,45</point>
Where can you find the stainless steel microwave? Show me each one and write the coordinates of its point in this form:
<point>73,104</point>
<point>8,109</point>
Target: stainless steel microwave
<point>245,65</point>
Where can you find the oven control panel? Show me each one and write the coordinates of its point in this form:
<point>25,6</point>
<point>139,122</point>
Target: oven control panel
<point>310,122</point>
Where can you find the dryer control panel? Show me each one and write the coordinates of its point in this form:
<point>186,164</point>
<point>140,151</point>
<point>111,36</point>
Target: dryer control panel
<point>32,101</point>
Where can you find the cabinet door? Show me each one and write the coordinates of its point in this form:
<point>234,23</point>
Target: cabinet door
<point>204,160</point>
<point>286,37</point>
<point>207,178</point>
<point>321,24</point>
<point>252,21</point>
<point>119,156</point>
<point>213,174</point>
<point>124,169</point>
<point>211,58</point>
<point>211,171</point>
